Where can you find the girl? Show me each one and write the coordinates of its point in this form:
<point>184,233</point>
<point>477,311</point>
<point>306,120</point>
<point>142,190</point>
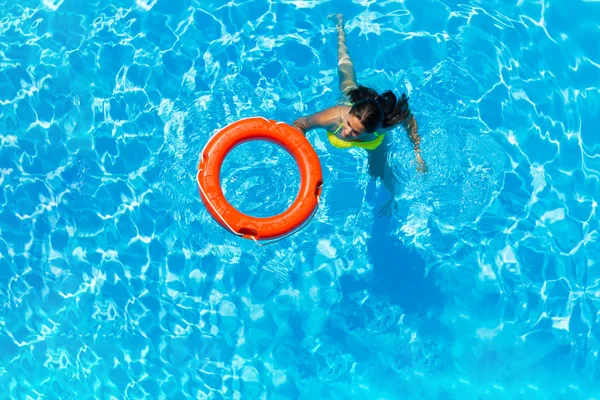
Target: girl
<point>367,118</point>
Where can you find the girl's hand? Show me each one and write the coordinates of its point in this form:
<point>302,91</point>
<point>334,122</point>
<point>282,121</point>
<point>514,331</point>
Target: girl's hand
<point>421,167</point>
<point>298,126</point>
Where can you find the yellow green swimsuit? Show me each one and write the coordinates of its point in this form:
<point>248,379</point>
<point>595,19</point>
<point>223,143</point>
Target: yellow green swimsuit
<point>344,144</point>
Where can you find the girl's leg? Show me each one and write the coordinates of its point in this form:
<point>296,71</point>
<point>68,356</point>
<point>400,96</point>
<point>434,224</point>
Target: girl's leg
<point>346,73</point>
<point>379,168</point>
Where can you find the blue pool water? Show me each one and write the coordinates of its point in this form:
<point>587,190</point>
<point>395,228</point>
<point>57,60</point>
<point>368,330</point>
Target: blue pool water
<point>115,282</point>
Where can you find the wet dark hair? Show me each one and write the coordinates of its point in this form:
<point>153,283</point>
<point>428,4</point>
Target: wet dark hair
<point>376,110</point>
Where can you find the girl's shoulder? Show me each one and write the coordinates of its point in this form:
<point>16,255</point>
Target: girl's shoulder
<point>337,112</point>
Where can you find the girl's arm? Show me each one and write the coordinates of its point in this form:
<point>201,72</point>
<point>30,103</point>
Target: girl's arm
<point>346,73</point>
<point>410,124</point>
<point>321,119</point>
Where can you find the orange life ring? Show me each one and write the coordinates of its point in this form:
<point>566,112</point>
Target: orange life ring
<point>294,142</point>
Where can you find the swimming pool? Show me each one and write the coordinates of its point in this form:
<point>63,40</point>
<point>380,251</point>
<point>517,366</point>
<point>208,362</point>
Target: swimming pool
<point>116,283</point>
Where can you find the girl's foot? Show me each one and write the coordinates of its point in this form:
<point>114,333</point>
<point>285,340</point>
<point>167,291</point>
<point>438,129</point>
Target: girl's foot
<point>337,19</point>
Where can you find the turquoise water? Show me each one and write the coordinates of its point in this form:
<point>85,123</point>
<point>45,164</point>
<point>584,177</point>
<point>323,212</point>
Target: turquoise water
<point>115,282</point>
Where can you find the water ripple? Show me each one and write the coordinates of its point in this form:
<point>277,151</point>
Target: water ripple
<point>116,282</point>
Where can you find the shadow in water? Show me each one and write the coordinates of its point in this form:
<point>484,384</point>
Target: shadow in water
<point>398,272</point>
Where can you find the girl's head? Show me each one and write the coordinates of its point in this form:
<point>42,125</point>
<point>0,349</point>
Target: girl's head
<point>365,116</point>
<point>371,111</point>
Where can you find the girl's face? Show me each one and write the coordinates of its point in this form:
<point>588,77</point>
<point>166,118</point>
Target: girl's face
<point>353,128</point>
